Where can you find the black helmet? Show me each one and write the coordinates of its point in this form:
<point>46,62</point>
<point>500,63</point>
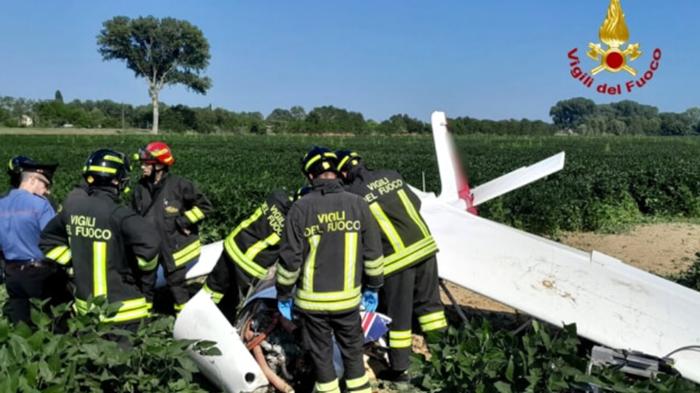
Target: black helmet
<point>347,159</point>
<point>319,160</point>
<point>280,198</point>
<point>301,192</point>
<point>104,166</point>
<point>14,169</point>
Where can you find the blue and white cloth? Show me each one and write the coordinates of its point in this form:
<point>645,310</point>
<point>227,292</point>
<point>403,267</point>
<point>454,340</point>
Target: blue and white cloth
<point>374,325</point>
<point>23,216</point>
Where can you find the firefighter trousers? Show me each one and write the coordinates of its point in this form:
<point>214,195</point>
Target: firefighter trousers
<point>240,286</point>
<point>173,295</point>
<point>177,285</point>
<point>409,292</point>
<point>318,331</point>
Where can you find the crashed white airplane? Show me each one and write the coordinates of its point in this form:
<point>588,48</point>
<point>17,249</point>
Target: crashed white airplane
<point>613,304</point>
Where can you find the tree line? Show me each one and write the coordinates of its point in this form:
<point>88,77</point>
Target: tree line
<point>576,115</point>
<point>583,116</point>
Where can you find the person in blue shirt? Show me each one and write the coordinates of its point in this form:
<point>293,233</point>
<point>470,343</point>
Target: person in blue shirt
<point>14,169</point>
<point>24,212</point>
<point>14,174</point>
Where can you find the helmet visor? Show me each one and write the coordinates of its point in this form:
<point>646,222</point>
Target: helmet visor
<point>145,157</point>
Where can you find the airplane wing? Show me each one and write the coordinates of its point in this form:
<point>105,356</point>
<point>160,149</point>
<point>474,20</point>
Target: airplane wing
<point>207,260</point>
<point>611,303</point>
<point>200,267</point>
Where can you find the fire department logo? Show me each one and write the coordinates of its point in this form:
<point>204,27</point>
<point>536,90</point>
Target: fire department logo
<point>613,33</point>
<point>613,54</point>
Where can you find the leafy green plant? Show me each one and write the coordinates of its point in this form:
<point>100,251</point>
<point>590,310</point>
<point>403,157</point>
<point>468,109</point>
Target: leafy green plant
<point>543,359</point>
<point>606,183</point>
<point>86,357</point>
<point>612,216</point>
<point>691,277</point>
<point>486,361</point>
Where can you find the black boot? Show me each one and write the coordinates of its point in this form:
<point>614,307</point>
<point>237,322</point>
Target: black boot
<point>394,375</point>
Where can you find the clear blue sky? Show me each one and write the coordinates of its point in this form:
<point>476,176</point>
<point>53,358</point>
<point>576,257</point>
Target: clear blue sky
<point>486,59</point>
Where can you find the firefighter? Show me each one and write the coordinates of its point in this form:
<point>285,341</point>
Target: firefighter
<point>249,251</point>
<point>176,207</point>
<point>111,249</point>
<point>331,250</point>
<point>24,212</point>
<point>410,267</point>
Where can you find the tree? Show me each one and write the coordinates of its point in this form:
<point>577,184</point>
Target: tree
<point>693,116</point>
<point>404,124</point>
<point>58,97</point>
<point>628,108</point>
<point>298,112</point>
<point>164,51</point>
<point>278,120</point>
<point>675,124</point>
<point>570,113</point>
<point>328,118</point>
<point>4,116</point>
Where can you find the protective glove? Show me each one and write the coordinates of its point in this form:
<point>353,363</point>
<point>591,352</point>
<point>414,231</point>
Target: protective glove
<point>370,300</point>
<point>285,308</point>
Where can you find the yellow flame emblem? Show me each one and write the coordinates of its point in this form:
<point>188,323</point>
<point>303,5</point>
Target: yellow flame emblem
<point>614,33</point>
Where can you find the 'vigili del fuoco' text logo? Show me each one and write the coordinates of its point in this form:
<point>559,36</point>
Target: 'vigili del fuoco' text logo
<point>614,55</point>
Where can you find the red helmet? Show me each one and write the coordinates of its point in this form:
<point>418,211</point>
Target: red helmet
<point>157,153</point>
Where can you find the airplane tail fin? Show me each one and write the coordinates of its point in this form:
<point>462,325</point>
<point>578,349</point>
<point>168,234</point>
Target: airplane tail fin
<point>517,178</point>
<point>454,184</point>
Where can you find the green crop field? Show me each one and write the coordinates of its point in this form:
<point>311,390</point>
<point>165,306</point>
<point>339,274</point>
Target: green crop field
<point>607,182</point>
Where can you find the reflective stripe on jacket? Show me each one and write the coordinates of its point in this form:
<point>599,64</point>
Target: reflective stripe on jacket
<point>175,205</point>
<point>332,249</point>
<point>111,249</point>
<point>406,238</point>
<point>253,246</point>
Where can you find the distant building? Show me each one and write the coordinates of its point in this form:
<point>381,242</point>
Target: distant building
<point>26,121</point>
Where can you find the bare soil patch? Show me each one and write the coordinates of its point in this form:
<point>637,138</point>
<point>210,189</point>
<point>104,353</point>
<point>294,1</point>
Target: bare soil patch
<point>663,249</point>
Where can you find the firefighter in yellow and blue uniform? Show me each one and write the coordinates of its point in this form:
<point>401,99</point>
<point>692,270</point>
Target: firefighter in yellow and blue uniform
<point>111,249</point>
<point>249,251</point>
<point>176,207</point>
<point>410,267</point>
<point>331,252</point>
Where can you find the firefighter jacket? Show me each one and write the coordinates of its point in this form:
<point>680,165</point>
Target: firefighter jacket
<point>175,206</point>
<point>252,247</point>
<point>406,239</point>
<point>81,188</point>
<point>332,247</point>
<point>109,247</point>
